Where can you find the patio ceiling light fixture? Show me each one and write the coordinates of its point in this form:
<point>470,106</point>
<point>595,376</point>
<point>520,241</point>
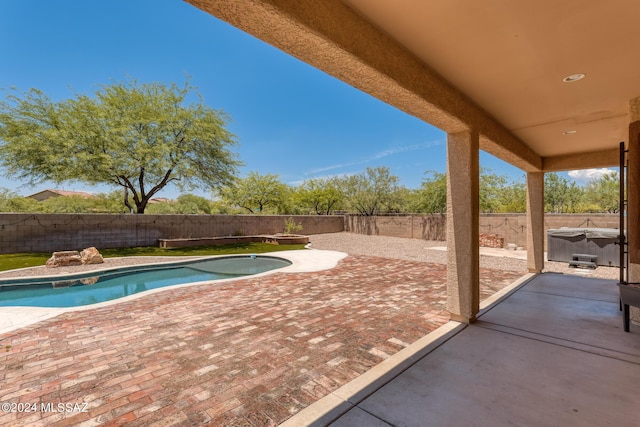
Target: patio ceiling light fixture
<point>574,77</point>
<point>569,132</point>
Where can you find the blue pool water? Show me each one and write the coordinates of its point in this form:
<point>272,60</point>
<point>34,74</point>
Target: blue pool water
<point>91,288</point>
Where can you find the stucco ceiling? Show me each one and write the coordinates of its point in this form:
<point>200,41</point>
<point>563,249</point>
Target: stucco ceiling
<point>492,66</point>
<point>510,58</point>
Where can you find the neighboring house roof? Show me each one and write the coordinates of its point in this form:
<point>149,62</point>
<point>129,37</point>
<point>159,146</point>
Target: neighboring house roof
<point>160,200</point>
<point>47,194</point>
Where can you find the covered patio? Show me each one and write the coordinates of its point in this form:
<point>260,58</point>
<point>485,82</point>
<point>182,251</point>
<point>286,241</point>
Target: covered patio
<point>545,86</point>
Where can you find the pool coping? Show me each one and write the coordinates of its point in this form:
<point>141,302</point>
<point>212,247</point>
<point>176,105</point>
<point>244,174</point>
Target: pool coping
<point>141,266</point>
<point>302,261</point>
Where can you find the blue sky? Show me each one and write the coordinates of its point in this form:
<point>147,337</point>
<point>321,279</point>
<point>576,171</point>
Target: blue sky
<point>290,118</point>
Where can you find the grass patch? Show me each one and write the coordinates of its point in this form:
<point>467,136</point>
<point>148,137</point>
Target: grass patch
<point>13,261</point>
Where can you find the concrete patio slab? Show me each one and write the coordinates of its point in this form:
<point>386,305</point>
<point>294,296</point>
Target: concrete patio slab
<point>571,286</point>
<point>490,378</point>
<point>550,354</point>
<point>358,417</point>
<point>574,319</point>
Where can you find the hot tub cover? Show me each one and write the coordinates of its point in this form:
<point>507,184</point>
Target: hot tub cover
<point>590,233</point>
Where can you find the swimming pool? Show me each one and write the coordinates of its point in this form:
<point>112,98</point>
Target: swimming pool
<point>92,288</point>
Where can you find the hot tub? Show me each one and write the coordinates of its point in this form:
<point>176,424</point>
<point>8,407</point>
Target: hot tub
<point>562,243</point>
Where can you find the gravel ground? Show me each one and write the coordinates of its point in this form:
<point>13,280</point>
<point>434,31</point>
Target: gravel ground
<point>421,250</point>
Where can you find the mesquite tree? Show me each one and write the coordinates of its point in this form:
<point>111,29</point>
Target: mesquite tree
<point>140,137</point>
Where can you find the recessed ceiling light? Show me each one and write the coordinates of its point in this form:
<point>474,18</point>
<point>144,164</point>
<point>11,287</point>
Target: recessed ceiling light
<point>574,78</point>
<point>569,132</point>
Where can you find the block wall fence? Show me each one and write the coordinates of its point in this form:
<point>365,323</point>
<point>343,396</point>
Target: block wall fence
<point>53,232</point>
<point>511,227</point>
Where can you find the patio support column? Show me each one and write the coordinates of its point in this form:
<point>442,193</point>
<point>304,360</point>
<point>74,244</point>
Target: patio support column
<point>633,197</point>
<point>463,246</point>
<point>535,222</point>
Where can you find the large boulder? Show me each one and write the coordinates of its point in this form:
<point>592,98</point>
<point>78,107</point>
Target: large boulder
<point>64,259</point>
<point>91,256</point>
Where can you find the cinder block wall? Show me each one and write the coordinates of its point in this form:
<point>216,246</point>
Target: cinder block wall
<point>511,227</point>
<point>426,227</point>
<point>52,232</point>
<point>55,232</point>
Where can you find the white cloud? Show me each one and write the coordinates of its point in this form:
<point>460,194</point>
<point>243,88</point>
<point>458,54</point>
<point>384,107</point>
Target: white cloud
<point>585,175</point>
<point>328,168</point>
<point>377,156</point>
<point>404,149</point>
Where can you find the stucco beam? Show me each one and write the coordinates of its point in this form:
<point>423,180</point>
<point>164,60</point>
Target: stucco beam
<point>593,159</point>
<point>331,37</point>
<point>504,146</point>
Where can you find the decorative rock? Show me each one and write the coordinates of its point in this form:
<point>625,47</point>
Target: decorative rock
<point>91,256</point>
<point>64,259</point>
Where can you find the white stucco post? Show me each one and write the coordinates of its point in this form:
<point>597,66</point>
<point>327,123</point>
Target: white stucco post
<point>463,246</point>
<point>535,222</point>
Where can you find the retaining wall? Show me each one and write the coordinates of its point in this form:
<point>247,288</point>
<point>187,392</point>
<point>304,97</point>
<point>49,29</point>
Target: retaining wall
<point>56,232</point>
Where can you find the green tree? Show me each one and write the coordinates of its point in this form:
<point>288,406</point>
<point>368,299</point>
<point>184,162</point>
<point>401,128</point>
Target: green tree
<point>287,204</point>
<point>192,204</point>
<point>561,195</point>
<point>491,188</point>
<point>68,204</point>
<point>432,194</point>
<point>372,192</point>
<point>256,192</point>
<point>12,202</point>
<point>495,194</point>
<point>140,137</point>
<point>107,202</point>
<point>162,208</point>
<point>513,198</point>
<point>403,200</point>
<point>321,196</point>
<point>605,192</point>
<point>188,204</point>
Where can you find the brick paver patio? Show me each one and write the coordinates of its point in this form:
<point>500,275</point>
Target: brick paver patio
<point>251,352</point>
